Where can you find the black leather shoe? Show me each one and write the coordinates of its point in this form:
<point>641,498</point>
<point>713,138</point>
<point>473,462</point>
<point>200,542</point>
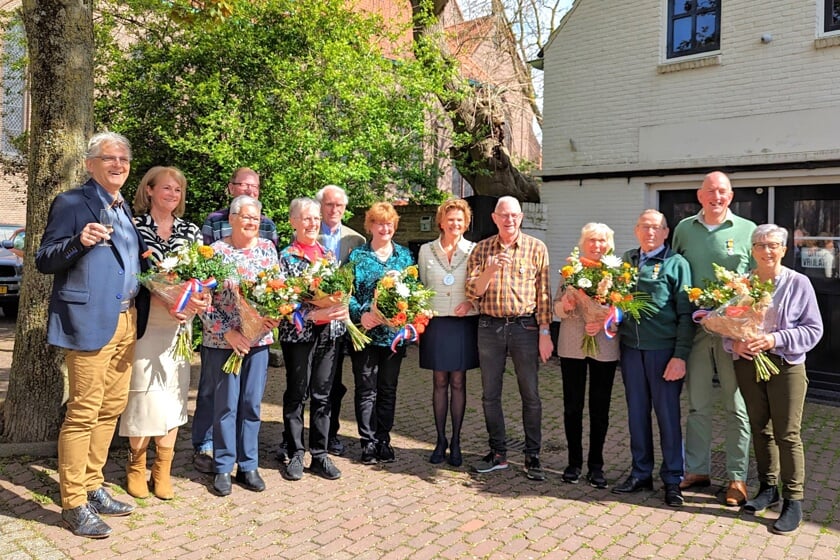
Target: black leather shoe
<point>456,459</point>
<point>83,522</point>
<point>222,485</point>
<point>203,462</point>
<point>633,484</point>
<point>100,502</point>
<point>673,495</point>
<point>767,496</point>
<point>250,480</point>
<point>438,456</point>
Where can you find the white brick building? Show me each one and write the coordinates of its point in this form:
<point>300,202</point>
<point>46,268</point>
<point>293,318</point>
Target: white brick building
<point>643,98</point>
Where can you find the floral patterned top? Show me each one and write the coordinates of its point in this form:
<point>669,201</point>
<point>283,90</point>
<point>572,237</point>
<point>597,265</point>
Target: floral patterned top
<point>224,316</point>
<point>183,233</point>
<point>368,269</point>
<point>292,263</point>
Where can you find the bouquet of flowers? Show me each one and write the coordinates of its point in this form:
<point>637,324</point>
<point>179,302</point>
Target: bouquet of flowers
<point>193,269</point>
<point>603,291</point>
<point>269,296</point>
<point>734,306</point>
<point>326,284</point>
<point>403,303</point>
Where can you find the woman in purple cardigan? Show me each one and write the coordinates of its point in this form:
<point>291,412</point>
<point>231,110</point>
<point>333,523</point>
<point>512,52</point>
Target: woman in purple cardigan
<point>792,327</point>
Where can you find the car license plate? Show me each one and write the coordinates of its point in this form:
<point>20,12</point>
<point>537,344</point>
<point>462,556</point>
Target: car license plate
<point>3,290</point>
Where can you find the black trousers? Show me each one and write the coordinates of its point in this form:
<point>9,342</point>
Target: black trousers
<point>338,388</point>
<point>309,371</point>
<point>601,376</point>
<point>376,371</point>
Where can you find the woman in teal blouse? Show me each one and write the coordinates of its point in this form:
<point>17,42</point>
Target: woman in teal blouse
<point>376,368</point>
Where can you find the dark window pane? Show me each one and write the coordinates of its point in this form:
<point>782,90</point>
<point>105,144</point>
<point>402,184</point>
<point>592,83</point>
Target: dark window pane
<point>682,35</point>
<point>707,31</point>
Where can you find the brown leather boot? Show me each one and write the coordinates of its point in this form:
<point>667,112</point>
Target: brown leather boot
<point>135,473</point>
<point>161,482</point>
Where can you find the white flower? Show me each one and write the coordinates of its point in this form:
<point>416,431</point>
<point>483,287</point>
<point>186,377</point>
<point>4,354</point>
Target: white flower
<point>168,263</point>
<point>584,283</point>
<point>611,261</point>
<point>402,290</point>
<point>259,290</point>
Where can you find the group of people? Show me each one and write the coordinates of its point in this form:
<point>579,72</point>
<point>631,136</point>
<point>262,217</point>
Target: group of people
<point>492,300</point>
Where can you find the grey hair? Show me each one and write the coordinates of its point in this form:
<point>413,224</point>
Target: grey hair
<point>298,205</point>
<point>322,193</point>
<point>244,200</point>
<point>512,200</point>
<point>593,228</point>
<point>770,230</point>
<point>98,140</point>
<point>663,221</point>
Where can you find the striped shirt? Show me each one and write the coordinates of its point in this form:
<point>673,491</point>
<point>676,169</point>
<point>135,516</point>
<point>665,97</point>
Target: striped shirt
<point>521,289</point>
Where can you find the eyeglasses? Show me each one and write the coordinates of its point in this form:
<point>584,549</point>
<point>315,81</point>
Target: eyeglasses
<point>773,246</point>
<point>114,159</point>
<point>246,185</point>
<point>646,226</point>
<point>511,216</point>
<point>248,218</point>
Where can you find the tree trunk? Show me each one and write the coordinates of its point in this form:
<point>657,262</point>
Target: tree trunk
<point>59,36</point>
<point>477,111</point>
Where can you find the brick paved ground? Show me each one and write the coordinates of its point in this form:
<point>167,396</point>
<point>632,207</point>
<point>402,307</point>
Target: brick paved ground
<point>412,509</point>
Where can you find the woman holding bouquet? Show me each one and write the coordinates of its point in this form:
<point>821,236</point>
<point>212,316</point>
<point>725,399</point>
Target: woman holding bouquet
<point>376,367</point>
<point>237,397</point>
<point>792,327</point>
<point>576,322</point>
<point>157,398</point>
<point>308,353</point>
<point>449,347</point>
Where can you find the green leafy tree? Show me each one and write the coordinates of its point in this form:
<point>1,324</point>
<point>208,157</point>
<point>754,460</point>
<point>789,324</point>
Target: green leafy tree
<point>298,91</point>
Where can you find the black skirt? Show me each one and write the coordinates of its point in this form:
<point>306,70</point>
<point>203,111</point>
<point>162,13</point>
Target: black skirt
<point>450,344</point>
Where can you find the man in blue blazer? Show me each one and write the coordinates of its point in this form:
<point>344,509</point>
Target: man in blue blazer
<point>97,311</point>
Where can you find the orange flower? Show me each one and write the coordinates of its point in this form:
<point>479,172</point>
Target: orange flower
<point>567,271</point>
<point>285,309</point>
<point>402,305</point>
<point>589,263</point>
<point>615,297</point>
<point>420,328</point>
<point>276,284</point>
<point>694,294</point>
<point>206,251</point>
<point>387,282</point>
<point>400,318</point>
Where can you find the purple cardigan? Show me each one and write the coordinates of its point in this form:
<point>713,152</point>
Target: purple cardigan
<point>794,319</point>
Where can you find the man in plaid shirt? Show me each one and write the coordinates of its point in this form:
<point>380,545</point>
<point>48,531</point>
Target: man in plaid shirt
<point>508,282</point>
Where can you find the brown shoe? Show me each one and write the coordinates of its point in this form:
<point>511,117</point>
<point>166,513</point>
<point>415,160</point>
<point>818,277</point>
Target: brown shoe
<point>695,480</point>
<point>736,493</point>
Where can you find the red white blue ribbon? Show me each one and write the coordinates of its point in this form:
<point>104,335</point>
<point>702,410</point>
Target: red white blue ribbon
<point>613,319</point>
<point>298,318</point>
<point>192,286</point>
<point>408,333</point>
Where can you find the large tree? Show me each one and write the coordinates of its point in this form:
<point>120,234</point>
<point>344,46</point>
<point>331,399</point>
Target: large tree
<point>60,55</point>
<point>297,90</point>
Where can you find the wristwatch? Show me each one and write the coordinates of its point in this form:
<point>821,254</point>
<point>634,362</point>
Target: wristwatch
<point>545,332</point>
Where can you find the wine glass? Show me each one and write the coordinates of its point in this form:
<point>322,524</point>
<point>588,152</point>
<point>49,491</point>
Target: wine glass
<point>106,218</point>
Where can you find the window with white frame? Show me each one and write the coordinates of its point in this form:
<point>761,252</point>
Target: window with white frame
<point>831,19</point>
<point>693,27</point>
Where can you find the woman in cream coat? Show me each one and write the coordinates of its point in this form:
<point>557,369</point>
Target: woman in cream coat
<point>449,346</point>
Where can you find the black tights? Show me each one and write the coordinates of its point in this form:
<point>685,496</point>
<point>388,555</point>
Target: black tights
<point>455,400</point>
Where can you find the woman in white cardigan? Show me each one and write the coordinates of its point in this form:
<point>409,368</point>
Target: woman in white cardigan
<point>449,347</point>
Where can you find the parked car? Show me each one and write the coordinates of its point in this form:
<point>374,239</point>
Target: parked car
<point>11,267</point>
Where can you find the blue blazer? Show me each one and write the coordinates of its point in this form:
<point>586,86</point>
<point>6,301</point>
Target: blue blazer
<point>86,295</point>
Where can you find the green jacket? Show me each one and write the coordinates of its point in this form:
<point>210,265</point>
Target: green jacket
<point>670,326</point>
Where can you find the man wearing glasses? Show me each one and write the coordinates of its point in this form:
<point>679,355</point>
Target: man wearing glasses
<point>507,281</point>
<point>244,181</point>
<point>714,235</point>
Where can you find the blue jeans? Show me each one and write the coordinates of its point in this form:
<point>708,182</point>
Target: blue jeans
<point>644,387</point>
<point>236,408</point>
<point>202,425</point>
<point>520,338</point>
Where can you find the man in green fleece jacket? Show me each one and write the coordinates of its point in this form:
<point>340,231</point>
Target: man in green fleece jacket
<point>714,235</point>
<point>653,354</point>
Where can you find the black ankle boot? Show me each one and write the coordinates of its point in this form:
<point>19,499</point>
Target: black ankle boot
<point>439,454</point>
<point>767,496</point>
<point>790,519</point>
<point>455,458</point>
